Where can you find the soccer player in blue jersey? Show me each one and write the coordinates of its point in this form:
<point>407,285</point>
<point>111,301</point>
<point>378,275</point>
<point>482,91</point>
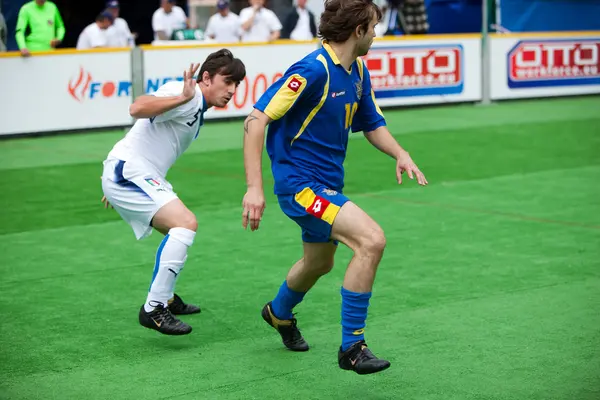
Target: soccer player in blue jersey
<point>310,112</point>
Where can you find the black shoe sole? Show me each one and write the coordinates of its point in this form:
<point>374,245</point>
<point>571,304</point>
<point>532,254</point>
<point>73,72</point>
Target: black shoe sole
<point>168,333</point>
<point>367,371</point>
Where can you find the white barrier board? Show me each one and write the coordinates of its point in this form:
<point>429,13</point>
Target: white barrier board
<point>64,92</point>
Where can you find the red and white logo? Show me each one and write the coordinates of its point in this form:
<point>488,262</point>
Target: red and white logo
<point>318,206</point>
<point>554,60</point>
<point>295,84</point>
<point>415,67</point>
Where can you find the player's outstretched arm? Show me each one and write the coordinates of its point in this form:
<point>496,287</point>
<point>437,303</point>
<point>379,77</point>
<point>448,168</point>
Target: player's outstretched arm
<point>383,140</point>
<point>151,106</point>
<point>254,139</point>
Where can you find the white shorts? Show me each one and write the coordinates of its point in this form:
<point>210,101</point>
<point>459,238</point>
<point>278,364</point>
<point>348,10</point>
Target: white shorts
<point>136,191</point>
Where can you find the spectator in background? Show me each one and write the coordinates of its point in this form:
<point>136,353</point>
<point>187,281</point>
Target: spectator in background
<point>3,33</point>
<point>96,33</point>
<point>119,34</point>
<point>224,26</point>
<point>39,27</point>
<point>168,18</point>
<point>415,17</point>
<point>259,24</point>
<point>299,23</point>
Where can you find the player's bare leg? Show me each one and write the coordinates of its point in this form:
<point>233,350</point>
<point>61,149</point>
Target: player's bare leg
<point>179,225</point>
<point>316,262</point>
<point>354,228</point>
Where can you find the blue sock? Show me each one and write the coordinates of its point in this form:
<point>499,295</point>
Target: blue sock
<point>354,315</point>
<point>285,301</point>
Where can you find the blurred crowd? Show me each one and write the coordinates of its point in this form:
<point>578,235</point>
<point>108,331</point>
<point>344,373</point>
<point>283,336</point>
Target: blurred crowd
<point>40,25</point>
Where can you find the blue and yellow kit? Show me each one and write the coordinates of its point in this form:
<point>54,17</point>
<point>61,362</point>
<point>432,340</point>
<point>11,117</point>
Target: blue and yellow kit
<point>313,107</point>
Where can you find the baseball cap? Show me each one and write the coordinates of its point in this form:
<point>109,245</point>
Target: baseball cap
<point>112,4</point>
<point>222,4</point>
<point>107,14</point>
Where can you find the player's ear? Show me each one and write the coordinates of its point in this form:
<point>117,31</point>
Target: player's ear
<point>206,78</point>
<point>359,31</point>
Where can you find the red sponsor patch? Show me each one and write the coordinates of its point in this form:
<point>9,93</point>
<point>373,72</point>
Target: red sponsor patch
<point>318,207</point>
<point>295,85</point>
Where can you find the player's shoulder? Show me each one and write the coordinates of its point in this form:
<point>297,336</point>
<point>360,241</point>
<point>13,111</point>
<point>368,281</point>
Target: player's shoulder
<point>311,66</point>
<point>171,88</point>
<point>361,66</point>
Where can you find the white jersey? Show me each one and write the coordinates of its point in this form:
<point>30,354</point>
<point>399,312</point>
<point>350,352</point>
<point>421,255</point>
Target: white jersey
<point>162,139</point>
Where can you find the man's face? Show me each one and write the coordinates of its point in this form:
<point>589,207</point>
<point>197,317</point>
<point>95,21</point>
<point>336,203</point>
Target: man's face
<point>220,90</point>
<point>105,23</point>
<point>301,3</point>
<point>257,3</point>
<point>167,6</point>
<point>366,39</point>
<point>114,11</point>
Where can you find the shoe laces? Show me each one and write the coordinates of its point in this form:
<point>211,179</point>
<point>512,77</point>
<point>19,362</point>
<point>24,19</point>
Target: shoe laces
<point>364,353</point>
<point>164,315</point>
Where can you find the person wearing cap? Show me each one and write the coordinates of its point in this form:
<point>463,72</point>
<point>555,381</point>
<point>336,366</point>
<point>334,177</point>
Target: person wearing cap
<point>259,24</point>
<point>119,34</point>
<point>168,18</point>
<point>224,25</point>
<point>95,34</point>
<point>39,27</point>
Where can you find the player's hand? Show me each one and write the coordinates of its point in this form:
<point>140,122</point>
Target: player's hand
<point>25,53</point>
<point>54,43</point>
<point>106,203</point>
<point>254,206</point>
<point>405,164</point>
<point>189,82</point>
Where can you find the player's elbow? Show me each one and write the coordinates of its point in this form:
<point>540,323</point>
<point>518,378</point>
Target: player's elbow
<point>136,110</point>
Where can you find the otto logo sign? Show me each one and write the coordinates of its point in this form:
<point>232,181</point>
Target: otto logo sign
<point>554,63</point>
<point>412,71</point>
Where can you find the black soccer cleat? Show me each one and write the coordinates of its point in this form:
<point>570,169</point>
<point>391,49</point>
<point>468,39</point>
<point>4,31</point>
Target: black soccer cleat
<point>290,334</point>
<point>162,320</point>
<point>178,307</point>
<point>358,358</point>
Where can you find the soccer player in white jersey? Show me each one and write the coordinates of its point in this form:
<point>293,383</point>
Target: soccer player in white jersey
<point>134,175</point>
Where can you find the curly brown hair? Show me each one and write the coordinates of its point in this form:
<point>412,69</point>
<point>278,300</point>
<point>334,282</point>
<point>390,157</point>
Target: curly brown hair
<point>341,17</point>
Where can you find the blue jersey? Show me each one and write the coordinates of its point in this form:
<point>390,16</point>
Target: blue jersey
<point>313,107</point>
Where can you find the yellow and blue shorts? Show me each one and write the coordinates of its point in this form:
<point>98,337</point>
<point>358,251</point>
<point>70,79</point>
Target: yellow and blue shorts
<point>314,209</point>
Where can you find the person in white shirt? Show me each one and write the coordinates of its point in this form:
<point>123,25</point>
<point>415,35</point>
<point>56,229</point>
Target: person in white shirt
<point>119,34</point>
<point>168,18</point>
<point>259,24</point>
<point>224,26</point>
<point>299,24</point>
<point>95,34</point>
<point>134,176</point>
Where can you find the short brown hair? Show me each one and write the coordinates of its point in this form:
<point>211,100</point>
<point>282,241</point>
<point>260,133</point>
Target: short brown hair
<point>223,62</point>
<point>341,17</point>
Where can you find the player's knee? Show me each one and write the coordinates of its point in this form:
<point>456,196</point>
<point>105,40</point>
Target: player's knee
<point>188,221</point>
<point>374,242</point>
<point>323,266</point>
